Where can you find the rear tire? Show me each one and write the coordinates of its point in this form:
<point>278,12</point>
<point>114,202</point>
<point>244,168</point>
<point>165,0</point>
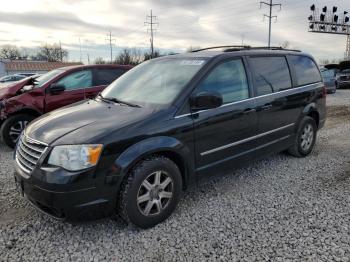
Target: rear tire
<point>150,192</point>
<point>12,128</point>
<point>305,138</point>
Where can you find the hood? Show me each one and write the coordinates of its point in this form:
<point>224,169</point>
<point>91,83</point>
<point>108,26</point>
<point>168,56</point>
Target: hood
<point>8,90</point>
<point>84,122</point>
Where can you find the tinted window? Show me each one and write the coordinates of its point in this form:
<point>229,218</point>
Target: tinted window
<point>271,74</point>
<point>108,75</point>
<point>229,79</point>
<point>305,69</point>
<point>77,80</point>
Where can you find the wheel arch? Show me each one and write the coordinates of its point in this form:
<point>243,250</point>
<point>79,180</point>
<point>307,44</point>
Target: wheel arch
<point>311,111</point>
<point>169,147</point>
<point>26,111</point>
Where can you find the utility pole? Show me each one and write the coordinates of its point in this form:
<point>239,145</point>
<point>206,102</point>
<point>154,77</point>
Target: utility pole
<point>80,50</point>
<point>61,55</point>
<point>347,51</point>
<point>270,16</point>
<point>110,40</point>
<point>150,22</point>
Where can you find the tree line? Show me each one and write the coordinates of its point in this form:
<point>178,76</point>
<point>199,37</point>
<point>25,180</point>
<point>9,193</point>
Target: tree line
<point>54,53</point>
<point>46,52</point>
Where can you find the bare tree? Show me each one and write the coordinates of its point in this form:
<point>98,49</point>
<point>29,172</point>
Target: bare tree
<point>285,45</point>
<point>99,61</point>
<point>192,48</point>
<point>129,56</point>
<point>10,52</point>
<point>148,56</point>
<point>51,53</point>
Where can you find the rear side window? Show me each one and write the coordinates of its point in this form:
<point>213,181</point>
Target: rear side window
<point>305,69</point>
<point>229,79</point>
<point>108,75</point>
<point>271,74</point>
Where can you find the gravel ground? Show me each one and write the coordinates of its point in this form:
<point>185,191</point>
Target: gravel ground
<point>277,209</point>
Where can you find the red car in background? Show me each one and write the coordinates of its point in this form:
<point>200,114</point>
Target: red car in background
<point>25,100</point>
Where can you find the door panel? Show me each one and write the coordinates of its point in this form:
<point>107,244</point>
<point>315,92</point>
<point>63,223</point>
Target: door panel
<point>219,132</point>
<point>277,111</point>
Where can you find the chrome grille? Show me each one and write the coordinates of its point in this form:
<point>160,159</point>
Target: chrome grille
<point>28,153</point>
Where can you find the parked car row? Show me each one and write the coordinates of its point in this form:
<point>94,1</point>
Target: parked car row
<point>329,78</point>
<point>163,125</point>
<point>11,78</point>
<point>338,73</point>
<point>31,97</point>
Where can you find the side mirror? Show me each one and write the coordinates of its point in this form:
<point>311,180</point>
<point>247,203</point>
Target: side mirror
<point>56,89</point>
<point>206,100</point>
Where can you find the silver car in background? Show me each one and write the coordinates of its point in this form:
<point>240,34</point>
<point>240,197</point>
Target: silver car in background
<point>329,79</point>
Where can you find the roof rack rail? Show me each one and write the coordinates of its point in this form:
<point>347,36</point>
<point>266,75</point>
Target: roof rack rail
<point>232,48</point>
<point>223,46</point>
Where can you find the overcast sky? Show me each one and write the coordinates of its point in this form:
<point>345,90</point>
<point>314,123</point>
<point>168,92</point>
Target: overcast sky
<point>182,23</point>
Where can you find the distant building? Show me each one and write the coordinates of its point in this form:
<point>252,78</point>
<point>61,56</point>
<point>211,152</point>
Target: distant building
<point>8,67</point>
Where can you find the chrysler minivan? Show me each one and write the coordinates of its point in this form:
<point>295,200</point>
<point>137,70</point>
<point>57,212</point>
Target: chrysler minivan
<point>163,125</point>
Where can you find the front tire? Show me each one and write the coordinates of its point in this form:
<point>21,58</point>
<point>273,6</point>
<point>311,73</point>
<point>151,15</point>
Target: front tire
<point>151,192</point>
<point>305,138</point>
<point>12,128</point>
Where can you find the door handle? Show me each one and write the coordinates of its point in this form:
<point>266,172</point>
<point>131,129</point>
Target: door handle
<point>266,107</point>
<point>249,110</point>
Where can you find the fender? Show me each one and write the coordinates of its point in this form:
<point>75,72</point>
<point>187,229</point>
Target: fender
<point>13,107</point>
<point>157,145</point>
<point>311,107</point>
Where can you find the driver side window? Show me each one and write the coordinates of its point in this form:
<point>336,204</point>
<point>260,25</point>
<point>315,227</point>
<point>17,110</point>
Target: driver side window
<point>77,80</point>
<point>228,79</point>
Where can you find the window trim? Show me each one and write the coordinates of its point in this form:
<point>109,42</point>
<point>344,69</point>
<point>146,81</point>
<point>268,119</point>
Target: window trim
<point>253,72</point>
<point>249,99</point>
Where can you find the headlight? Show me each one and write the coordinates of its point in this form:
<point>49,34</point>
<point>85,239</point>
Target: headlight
<point>75,157</point>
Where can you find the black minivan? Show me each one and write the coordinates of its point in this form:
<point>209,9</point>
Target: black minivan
<point>166,123</point>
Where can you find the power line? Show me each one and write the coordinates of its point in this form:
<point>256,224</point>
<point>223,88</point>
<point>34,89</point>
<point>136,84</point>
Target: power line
<point>150,23</point>
<point>110,40</point>
<point>270,16</point>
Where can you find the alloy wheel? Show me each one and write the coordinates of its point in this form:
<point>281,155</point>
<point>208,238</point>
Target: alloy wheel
<point>155,193</point>
<point>307,137</point>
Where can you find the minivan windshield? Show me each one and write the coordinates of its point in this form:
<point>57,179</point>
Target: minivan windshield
<point>41,80</point>
<point>154,83</point>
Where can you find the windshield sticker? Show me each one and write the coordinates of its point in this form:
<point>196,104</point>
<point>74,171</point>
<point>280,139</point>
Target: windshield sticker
<point>192,62</point>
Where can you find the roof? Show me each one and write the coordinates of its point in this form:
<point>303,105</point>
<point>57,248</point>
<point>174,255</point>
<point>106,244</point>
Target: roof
<point>35,65</point>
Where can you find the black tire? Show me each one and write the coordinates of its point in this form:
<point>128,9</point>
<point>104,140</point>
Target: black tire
<point>298,150</point>
<point>128,207</point>
<point>16,122</point>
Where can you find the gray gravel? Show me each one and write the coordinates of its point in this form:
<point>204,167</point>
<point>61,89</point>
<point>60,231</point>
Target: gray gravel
<point>277,209</point>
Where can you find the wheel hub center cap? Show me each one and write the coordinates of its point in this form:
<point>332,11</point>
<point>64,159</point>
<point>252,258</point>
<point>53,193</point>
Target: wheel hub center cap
<point>155,193</point>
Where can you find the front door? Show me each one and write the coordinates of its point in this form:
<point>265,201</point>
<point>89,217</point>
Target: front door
<point>222,135</point>
<point>78,86</point>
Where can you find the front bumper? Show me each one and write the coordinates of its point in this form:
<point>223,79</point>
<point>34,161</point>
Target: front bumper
<point>64,195</point>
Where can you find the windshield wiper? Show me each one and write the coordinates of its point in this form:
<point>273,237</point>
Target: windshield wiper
<point>118,101</point>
